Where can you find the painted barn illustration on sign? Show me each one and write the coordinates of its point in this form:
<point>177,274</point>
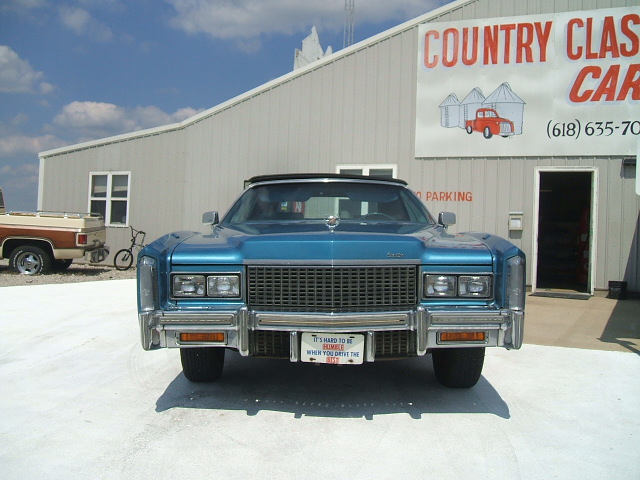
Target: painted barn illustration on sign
<point>508,105</point>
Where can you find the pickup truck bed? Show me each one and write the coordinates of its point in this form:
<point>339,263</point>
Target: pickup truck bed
<point>36,242</point>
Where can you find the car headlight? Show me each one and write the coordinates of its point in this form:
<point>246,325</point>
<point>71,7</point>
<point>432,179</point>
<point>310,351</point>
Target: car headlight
<point>515,284</point>
<point>440,286</point>
<point>474,286</point>
<point>223,286</point>
<point>188,286</point>
<point>147,284</point>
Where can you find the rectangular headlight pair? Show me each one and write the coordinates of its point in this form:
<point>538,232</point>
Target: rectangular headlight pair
<point>467,286</point>
<point>213,286</point>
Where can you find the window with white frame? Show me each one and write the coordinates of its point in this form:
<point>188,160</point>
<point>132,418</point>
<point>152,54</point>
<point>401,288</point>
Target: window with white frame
<point>109,196</point>
<point>385,171</point>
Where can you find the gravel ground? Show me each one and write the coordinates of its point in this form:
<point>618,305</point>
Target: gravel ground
<point>77,272</point>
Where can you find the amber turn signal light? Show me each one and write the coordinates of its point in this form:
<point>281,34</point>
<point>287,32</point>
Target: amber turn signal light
<point>218,337</point>
<point>462,336</point>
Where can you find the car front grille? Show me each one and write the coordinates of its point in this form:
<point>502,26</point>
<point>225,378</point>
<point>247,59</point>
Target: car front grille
<point>332,289</point>
<point>505,127</point>
<point>388,345</point>
<point>270,344</point>
<point>395,344</point>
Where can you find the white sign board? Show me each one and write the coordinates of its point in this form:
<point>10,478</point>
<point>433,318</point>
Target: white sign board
<point>554,84</point>
<point>638,169</point>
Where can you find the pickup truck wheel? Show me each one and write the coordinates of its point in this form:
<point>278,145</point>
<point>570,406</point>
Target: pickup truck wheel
<point>202,364</point>
<point>469,129</point>
<point>458,367</point>
<point>30,260</point>
<point>486,133</point>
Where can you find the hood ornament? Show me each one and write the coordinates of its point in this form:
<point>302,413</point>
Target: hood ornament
<point>332,221</point>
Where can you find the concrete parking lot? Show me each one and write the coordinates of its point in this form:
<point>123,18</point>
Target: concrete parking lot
<point>80,399</point>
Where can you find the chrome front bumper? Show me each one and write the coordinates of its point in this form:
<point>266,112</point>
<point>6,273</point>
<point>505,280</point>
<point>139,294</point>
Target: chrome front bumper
<point>503,328</point>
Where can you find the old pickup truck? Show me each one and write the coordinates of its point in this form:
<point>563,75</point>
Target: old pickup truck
<point>39,242</point>
<point>331,269</point>
<point>490,123</point>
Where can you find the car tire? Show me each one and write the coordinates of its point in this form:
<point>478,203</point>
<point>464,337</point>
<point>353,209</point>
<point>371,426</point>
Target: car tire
<point>469,129</point>
<point>458,367</point>
<point>29,260</point>
<point>202,364</point>
<point>486,133</point>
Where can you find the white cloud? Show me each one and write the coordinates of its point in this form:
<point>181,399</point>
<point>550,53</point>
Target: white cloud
<point>82,23</point>
<point>84,121</point>
<point>92,120</point>
<point>22,7</point>
<point>20,144</point>
<point>241,19</point>
<point>17,75</point>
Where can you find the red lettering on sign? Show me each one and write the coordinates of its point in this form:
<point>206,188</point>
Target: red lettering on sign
<point>333,360</point>
<point>607,87</point>
<point>610,43</point>
<point>332,346</point>
<point>450,52</point>
<point>573,54</point>
<point>543,38</point>
<point>466,59</point>
<point>634,49</point>
<point>430,62</point>
<point>494,43</point>
<point>523,45</point>
<point>590,53</point>
<point>631,83</point>
<point>491,44</point>
<point>447,196</point>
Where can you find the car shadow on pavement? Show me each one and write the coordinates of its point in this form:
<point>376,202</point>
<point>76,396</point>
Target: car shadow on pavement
<point>404,386</point>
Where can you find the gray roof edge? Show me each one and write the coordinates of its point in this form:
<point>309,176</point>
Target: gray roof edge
<point>429,16</point>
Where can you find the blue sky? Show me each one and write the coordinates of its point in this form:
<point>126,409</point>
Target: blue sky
<point>77,70</point>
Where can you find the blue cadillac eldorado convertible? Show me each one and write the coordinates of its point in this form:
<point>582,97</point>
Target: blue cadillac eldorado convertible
<point>333,269</point>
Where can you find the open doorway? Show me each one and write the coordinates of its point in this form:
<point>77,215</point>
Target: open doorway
<point>564,243</point>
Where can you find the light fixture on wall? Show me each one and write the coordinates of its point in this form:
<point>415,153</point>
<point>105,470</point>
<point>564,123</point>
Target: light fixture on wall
<point>516,221</point>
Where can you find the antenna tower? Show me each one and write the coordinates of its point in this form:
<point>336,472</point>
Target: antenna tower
<point>349,6</point>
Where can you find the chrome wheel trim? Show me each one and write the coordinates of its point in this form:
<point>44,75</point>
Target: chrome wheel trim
<point>28,263</point>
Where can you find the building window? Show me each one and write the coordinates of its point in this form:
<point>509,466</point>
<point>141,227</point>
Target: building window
<point>385,171</point>
<point>109,196</point>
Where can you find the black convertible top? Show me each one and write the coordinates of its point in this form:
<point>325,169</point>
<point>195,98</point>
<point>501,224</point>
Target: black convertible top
<point>312,176</point>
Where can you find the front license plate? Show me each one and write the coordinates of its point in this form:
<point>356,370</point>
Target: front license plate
<point>337,348</point>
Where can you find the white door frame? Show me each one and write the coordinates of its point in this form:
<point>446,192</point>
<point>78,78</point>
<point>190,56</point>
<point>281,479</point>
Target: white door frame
<point>593,228</point>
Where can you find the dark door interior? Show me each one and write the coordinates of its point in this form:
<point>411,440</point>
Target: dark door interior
<point>563,231</point>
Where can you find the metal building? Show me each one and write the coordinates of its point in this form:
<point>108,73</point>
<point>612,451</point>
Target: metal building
<point>561,187</point>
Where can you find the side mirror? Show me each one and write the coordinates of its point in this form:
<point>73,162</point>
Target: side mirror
<point>210,218</point>
<point>446,218</point>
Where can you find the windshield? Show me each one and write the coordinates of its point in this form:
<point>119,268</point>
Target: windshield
<point>310,201</point>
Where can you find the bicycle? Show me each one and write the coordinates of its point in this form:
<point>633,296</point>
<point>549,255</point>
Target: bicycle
<point>124,258</point>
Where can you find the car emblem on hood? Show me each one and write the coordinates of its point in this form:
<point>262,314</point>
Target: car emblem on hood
<point>332,221</point>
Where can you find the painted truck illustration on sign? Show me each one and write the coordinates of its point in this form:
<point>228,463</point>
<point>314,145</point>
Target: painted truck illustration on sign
<point>490,123</point>
<point>501,113</point>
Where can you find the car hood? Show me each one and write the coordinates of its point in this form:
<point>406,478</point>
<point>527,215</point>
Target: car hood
<point>306,242</point>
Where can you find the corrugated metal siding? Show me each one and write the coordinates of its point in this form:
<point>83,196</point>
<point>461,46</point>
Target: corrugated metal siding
<point>357,108</point>
<point>501,185</point>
